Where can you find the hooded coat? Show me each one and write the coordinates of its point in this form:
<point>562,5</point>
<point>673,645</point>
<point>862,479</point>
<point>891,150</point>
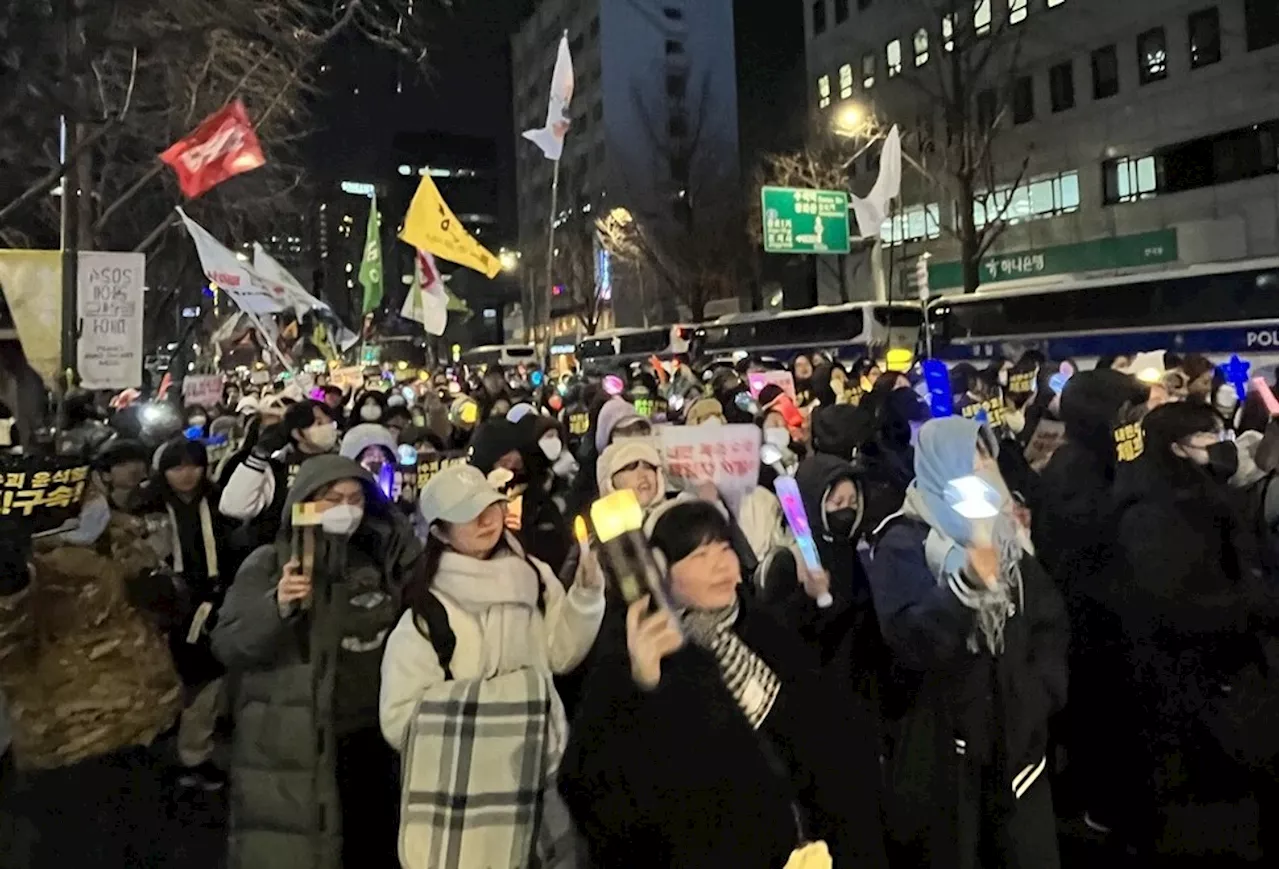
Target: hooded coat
<point>971,738</point>
<point>1195,616</point>
<point>294,698</point>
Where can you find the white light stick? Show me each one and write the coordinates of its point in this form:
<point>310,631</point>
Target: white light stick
<point>798,522</point>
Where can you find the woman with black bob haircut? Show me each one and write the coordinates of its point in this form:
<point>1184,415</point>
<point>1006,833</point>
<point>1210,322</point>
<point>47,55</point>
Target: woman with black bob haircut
<point>706,739</point>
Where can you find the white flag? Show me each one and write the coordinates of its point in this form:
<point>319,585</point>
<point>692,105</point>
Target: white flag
<point>872,209</point>
<point>270,268</point>
<point>427,301</point>
<point>241,282</point>
<point>550,138</point>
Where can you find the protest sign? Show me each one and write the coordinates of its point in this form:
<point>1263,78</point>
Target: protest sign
<point>40,493</point>
<point>109,291</point>
<point>430,464</point>
<point>726,455</point>
<point>1047,437</point>
<point>202,390</point>
<point>349,378</point>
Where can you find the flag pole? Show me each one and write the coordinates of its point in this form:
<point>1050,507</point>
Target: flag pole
<point>551,251</point>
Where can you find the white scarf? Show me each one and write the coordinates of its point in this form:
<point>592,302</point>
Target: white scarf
<point>501,593</point>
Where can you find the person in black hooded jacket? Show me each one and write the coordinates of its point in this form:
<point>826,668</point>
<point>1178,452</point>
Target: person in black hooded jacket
<point>498,443</point>
<point>1074,531</point>
<point>1197,618</point>
<point>844,633</point>
<point>828,383</point>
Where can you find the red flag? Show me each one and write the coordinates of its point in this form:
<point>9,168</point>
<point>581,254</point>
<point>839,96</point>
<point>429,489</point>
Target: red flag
<point>224,145</point>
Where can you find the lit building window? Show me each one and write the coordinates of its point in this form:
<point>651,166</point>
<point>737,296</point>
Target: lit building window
<point>982,17</point>
<point>920,45</point>
<point>846,81</point>
<point>1128,179</point>
<point>1046,196</point>
<point>914,223</point>
<point>824,91</point>
<point>868,71</point>
<point>893,57</point>
<point>948,32</point>
<point>1017,11</point>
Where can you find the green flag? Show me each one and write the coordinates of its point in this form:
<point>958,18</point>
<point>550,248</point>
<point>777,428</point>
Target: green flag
<point>371,262</point>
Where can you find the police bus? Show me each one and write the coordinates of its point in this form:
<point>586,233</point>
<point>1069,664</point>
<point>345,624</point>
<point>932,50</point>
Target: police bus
<point>504,355</point>
<point>622,346</point>
<point>866,329</point>
<point>1216,310</point>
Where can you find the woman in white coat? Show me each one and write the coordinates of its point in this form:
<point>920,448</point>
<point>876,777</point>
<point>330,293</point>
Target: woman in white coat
<point>485,628</point>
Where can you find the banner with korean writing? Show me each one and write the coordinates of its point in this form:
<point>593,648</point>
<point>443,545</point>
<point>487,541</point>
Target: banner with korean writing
<point>990,410</point>
<point>40,493</point>
<point>109,288</point>
<point>726,455</point>
<point>430,464</point>
<point>202,390</point>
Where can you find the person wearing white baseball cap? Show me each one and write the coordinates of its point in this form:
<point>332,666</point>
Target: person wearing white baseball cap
<point>479,610</point>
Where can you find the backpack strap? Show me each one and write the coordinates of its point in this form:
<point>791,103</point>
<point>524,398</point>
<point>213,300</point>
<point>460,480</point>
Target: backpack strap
<point>439,633</point>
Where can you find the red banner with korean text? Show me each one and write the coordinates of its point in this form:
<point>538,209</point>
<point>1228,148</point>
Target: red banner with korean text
<point>223,146</point>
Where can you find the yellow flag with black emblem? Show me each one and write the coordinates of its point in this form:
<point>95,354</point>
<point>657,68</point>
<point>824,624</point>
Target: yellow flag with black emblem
<point>432,226</point>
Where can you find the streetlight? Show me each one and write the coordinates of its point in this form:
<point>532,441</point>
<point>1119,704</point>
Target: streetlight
<point>509,259</point>
<point>850,120</point>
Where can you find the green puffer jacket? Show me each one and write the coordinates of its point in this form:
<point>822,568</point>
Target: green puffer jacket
<point>285,812</point>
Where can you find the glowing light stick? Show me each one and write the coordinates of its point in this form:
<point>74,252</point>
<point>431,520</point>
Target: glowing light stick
<point>798,522</point>
<point>1236,372</point>
<point>1268,397</point>
<point>938,379</point>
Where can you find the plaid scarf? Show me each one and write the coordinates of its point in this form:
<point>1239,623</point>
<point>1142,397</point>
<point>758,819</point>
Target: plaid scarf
<point>747,677</point>
<point>478,777</point>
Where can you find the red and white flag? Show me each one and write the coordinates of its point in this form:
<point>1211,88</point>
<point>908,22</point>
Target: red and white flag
<point>224,145</point>
<point>550,138</point>
<point>427,301</point>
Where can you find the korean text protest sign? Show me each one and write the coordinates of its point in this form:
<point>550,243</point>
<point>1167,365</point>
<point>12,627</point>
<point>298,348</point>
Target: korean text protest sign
<point>40,493</point>
<point>726,455</point>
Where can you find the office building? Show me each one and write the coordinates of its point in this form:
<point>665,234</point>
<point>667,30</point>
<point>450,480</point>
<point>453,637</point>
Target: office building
<point>655,101</point>
<point>1141,134</point>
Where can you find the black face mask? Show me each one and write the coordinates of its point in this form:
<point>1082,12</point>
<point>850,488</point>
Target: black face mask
<point>840,522</point>
<point>1224,461</point>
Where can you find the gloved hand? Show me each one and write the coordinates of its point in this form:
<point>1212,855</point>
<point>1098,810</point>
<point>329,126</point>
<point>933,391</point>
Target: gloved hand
<point>271,440</point>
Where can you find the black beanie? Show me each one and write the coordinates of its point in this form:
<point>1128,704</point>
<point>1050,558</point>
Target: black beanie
<point>181,451</point>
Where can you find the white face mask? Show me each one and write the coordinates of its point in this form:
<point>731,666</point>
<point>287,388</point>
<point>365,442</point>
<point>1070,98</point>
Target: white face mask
<point>370,412</point>
<point>779,437</point>
<point>342,519</point>
<point>551,448</point>
<point>323,437</point>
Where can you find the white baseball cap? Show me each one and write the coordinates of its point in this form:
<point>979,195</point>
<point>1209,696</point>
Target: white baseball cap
<point>457,494</point>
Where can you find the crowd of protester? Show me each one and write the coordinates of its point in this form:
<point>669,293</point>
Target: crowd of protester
<point>374,619</point>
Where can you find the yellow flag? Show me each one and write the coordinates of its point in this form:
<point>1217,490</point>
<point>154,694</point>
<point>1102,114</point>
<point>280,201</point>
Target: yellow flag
<point>31,281</point>
<point>431,226</point>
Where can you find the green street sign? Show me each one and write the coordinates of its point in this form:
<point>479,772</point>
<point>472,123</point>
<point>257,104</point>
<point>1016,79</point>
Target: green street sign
<point>805,221</point>
<point>1121,251</point>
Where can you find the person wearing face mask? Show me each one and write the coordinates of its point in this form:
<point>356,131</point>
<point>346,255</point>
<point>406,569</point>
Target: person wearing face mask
<point>978,638</point>
<point>256,481</point>
<point>828,384</point>
<point>1196,612</point>
<point>373,447</point>
<point>842,633</point>
<point>706,736</point>
<point>541,529</point>
<point>369,406</point>
<point>313,781</point>
<point>487,621</point>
